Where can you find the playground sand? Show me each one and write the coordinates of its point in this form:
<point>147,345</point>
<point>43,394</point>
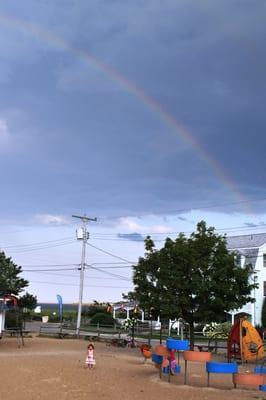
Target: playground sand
<point>55,369</point>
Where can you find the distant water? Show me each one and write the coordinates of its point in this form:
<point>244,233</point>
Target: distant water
<point>54,306</point>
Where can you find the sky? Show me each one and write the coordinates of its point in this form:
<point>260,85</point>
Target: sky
<point>147,114</point>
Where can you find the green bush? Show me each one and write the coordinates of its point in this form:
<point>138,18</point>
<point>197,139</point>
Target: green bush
<point>90,311</point>
<point>215,330</point>
<point>102,319</point>
<point>36,317</point>
<point>69,316</point>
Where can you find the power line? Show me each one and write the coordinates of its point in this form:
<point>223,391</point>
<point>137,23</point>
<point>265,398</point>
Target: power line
<point>118,267</point>
<point>27,250</point>
<point>73,284</point>
<point>39,243</point>
<point>182,210</point>
<point>49,265</point>
<point>108,253</point>
<point>53,273</point>
<point>57,269</point>
<point>110,273</point>
<point>171,233</point>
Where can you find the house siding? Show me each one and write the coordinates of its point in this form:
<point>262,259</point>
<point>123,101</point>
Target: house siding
<point>252,248</point>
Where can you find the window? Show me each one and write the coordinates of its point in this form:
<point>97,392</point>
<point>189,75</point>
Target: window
<point>238,259</point>
<point>264,260</point>
<point>264,288</point>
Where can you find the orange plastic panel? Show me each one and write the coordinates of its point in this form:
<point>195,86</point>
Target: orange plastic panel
<point>147,353</point>
<point>200,356</point>
<point>161,350</point>
<point>252,344</point>
<point>248,379</point>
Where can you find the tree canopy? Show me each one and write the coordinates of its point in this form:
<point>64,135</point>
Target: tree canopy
<point>194,277</point>
<point>28,301</point>
<point>10,281</point>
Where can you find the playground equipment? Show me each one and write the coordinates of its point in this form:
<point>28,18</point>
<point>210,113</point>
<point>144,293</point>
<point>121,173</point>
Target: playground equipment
<point>196,356</point>
<point>220,368</point>
<point>177,345</point>
<point>164,358</point>
<point>262,371</point>
<point>248,379</point>
<point>244,342</point>
<point>10,302</point>
<point>161,359</point>
<point>146,351</point>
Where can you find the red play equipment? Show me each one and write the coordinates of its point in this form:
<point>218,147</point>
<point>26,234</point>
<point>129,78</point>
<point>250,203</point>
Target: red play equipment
<point>10,302</point>
<point>244,342</point>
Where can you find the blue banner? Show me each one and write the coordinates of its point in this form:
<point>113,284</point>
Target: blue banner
<point>60,304</point>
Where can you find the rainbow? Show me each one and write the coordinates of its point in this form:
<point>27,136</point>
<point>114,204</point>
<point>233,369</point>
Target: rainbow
<point>134,90</point>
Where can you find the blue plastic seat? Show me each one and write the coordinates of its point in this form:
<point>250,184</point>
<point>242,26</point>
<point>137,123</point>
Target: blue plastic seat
<point>176,344</point>
<point>260,370</point>
<point>221,368</point>
<point>157,359</point>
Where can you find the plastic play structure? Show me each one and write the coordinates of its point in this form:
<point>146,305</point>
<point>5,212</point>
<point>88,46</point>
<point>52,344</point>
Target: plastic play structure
<point>10,302</point>
<point>244,342</point>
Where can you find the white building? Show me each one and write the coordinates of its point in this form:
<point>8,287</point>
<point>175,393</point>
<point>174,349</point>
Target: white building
<point>2,317</point>
<point>251,249</point>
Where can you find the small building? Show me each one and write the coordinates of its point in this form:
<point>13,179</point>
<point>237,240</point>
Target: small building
<point>2,317</point>
<point>251,249</point>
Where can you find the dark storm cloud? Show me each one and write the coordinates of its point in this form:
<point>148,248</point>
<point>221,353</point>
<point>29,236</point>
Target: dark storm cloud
<point>135,237</point>
<point>88,141</point>
<point>182,218</point>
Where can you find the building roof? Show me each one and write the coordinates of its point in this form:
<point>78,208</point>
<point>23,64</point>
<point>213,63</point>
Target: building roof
<point>253,240</point>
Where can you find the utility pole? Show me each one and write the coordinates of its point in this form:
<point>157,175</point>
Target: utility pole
<point>83,235</point>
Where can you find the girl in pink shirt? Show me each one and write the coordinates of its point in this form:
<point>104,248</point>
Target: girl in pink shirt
<point>90,360</point>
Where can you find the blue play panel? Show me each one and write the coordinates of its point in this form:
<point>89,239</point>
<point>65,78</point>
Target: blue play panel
<point>176,344</point>
<point>157,359</point>
<point>221,368</point>
<point>260,370</point>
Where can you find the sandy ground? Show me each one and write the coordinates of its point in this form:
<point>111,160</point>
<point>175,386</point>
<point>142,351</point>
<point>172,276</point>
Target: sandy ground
<point>55,369</point>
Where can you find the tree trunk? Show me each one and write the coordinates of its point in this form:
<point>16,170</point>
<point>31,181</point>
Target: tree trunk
<point>191,335</point>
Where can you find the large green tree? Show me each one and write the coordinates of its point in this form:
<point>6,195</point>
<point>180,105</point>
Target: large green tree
<point>194,277</point>
<point>10,281</point>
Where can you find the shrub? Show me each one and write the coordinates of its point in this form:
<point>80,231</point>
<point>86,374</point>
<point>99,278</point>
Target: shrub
<point>91,310</point>
<point>102,318</point>
<point>214,330</point>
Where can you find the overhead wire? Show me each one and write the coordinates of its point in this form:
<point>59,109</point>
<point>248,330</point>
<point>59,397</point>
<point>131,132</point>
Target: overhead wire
<point>27,250</point>
<point>109,273</point>
<point>108,253</point>
<point>53,273</point>
<point>115,237</point>
<point>73,284</point>
<point>39,243</point>
<point>50,265</point>
<point>194,207</point>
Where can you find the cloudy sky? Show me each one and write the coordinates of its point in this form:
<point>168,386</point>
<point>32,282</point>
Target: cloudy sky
<point>147,114</point>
